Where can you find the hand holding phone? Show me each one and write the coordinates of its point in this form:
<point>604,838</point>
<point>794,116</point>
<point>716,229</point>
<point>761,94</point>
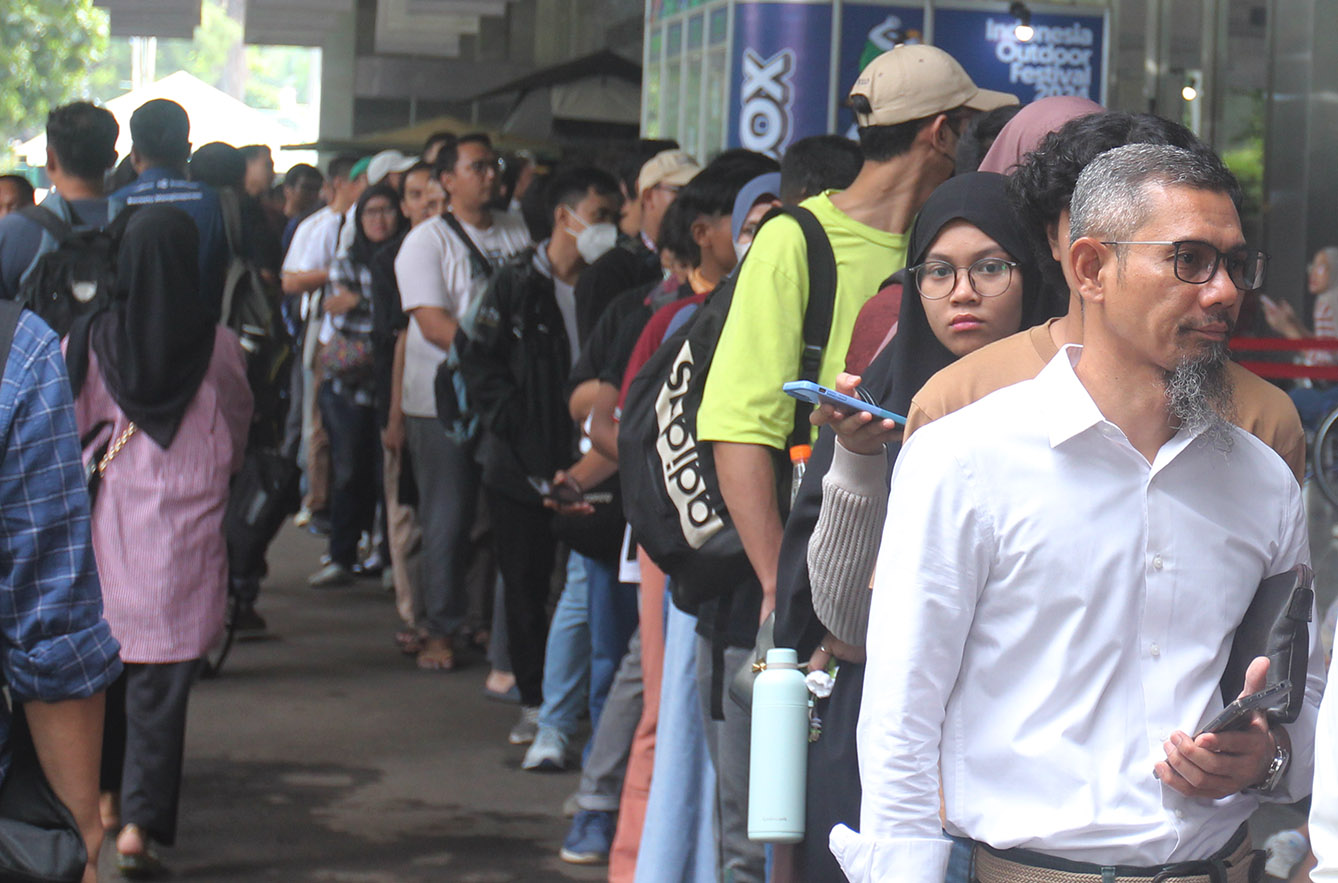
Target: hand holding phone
<point>562,494</point>
<point>808,391</point>
<point>1238,714</point>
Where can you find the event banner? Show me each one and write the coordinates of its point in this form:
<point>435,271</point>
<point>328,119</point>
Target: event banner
<point>867,31</point>
<point>780,68</point>
<point>1065,57</point>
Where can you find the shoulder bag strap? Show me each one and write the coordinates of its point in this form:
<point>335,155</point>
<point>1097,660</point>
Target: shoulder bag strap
<point>230,207</point>
<point>485,265</point>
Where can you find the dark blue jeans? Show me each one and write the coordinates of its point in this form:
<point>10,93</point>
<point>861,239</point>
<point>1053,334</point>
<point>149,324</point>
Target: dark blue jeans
<point>355,464</point>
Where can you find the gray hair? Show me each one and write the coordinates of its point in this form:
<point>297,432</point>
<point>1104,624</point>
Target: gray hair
<point>1109,198</point>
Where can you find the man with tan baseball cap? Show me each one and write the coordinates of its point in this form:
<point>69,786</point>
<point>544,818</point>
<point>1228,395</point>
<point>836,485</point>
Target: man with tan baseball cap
<point>914,82</point>
<point>911,104</point>
<point>668,168</point>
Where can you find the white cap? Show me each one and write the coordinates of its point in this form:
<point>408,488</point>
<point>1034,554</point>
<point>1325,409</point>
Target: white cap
<point>388,161</point>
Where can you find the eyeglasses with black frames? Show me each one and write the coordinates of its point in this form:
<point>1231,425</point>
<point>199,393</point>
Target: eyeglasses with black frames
<point>1196,262</point>
<point>989,277</point>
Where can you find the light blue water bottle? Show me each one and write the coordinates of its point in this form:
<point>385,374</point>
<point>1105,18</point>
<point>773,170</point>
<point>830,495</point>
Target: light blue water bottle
<point>778,763</point>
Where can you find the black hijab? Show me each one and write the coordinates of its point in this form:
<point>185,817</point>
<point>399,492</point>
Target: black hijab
<point>155,342</point>
<point>915,353</point>
<point>897,373</point>
<point>362,249</point>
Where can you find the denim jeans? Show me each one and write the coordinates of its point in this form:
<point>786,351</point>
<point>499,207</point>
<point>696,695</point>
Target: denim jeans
<point>678,838</point>
<point>587,639</point>
<point>959,861</point>
<point>567,658</point>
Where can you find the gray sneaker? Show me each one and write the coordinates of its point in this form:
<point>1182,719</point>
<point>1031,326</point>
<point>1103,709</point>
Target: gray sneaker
<point>526,728</point>
<point>548,753</point>
<point>330,576</point>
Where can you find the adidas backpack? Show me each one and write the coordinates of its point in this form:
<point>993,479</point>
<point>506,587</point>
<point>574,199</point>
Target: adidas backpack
<point>671,494</point>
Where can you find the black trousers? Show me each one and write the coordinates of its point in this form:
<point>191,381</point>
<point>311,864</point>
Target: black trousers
<point>355,456</point>
<point>526,553</point>
<point>144,738</point>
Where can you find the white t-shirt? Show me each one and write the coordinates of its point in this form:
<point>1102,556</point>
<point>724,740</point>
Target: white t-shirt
<point>433,270</point>
<point>314,241</point>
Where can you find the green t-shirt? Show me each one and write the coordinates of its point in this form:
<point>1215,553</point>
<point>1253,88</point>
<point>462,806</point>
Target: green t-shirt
<point>763,335</point>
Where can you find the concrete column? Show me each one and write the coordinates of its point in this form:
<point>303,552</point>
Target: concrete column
<point>338,70</point>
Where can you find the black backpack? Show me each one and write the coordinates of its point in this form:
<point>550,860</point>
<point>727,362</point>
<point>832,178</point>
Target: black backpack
<point>671,495</point>
<point>74,279</point>
<point>248,308</point>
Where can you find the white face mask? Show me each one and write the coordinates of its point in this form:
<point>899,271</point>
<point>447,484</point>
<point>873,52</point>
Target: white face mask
<point>594,240</point>
<point>741,249</point>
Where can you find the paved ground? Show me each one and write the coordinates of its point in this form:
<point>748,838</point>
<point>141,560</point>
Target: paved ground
<point>324,755</point>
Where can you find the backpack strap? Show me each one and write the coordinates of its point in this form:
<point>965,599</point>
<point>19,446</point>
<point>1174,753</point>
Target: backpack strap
<point>485,265</point>
<point>821,306</point>
<point>48,221</point>
<point>230,207</point>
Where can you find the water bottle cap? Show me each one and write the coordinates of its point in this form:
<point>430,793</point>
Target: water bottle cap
<point>800,453</point>
<point>782,657</point>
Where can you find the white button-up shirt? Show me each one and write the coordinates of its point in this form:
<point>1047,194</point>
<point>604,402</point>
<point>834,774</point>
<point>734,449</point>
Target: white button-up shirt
<point>1049,607</point>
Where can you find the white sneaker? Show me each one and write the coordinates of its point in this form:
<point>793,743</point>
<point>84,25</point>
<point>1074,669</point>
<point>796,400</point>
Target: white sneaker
<point>548,753</point>
<point>526,728</point>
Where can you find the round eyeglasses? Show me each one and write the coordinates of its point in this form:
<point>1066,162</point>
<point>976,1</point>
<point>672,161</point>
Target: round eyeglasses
<point>1196,262</point>
<point>989,277</point>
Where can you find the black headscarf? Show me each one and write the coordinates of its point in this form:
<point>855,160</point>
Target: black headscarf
<point>362,249</point>
<point>155,342</point>
<point>915,353</point>
<point>897,373</point>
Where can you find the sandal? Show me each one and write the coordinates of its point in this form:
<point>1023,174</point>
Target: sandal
<point>143,865</point>
<point>436,655</point>
<point>410,641</point>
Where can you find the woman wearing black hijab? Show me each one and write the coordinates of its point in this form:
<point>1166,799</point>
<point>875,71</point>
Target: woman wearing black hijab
<point>166,390</point>
<point>348,388</point>
<point>971,280</point>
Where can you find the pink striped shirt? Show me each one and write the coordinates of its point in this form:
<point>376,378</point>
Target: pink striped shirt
<point>158,519</point>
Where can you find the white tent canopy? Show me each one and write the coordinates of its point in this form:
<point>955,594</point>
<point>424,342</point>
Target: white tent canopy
<point>214,116</point>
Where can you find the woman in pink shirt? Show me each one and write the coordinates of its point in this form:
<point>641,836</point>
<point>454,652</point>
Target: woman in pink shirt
<point>166,388</point>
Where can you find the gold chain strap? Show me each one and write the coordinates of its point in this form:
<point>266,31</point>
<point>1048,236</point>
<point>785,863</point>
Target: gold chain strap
<point>116,448</point>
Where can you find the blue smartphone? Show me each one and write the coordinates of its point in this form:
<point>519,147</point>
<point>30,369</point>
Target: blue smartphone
<point>808,391</point>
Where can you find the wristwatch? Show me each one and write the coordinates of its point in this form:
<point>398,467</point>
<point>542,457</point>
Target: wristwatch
<point>1277,769</point>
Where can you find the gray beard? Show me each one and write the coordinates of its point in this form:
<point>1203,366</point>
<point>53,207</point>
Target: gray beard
<point>1199,395</point>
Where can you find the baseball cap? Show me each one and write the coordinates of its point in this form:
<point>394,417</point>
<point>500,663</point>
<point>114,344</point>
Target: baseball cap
<point>672,167</point>
<point>385,162</point>
<point>359,167</point>
<point>911,82</point>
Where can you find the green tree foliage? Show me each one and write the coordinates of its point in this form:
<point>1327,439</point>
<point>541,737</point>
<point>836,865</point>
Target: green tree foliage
<point>205,56</point>
<point>48,48</point>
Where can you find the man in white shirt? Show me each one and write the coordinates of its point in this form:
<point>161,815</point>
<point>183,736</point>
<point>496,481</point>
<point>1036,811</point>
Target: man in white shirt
<point>442,266</point>
<point>1063,569</point>
<point>306,270</point>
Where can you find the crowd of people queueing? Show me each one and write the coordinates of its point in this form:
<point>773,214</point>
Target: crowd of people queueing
<point>1057,566</point>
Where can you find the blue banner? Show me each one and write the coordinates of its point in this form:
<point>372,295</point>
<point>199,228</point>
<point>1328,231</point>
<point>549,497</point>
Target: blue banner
<point>1065,57</point>
<point>868,31</point>
<point>781,65</point>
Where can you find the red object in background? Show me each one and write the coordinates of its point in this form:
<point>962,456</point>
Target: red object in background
<point>1286,370</point>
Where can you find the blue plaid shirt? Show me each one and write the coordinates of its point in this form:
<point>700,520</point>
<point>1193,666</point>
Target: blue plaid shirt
<point>54,643</point>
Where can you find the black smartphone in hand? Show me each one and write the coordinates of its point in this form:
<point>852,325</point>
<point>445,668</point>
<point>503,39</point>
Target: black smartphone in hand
<point>1236,716</point>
